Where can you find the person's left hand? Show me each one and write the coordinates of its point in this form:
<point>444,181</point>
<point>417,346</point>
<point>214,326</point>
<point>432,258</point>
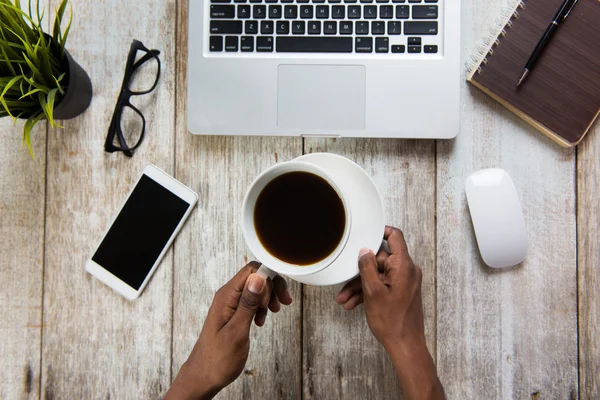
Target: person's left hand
<point>221,352</point>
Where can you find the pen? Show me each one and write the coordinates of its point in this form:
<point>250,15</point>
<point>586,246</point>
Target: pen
<point>558,19</point>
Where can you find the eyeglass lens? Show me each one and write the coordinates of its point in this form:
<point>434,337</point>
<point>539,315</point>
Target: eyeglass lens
<point>132,128</point>
<point>144,73</point>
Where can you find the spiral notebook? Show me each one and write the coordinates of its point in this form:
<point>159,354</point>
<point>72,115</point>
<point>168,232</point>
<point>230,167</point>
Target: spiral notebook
<point>561,97</point>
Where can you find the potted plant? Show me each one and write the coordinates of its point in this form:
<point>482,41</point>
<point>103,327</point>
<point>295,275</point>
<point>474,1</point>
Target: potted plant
<point>38,77</point>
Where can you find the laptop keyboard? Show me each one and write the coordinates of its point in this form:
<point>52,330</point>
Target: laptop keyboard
<point>325,26</point>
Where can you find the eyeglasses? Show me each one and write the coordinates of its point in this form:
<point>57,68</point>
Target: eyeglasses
<point>121,138</point>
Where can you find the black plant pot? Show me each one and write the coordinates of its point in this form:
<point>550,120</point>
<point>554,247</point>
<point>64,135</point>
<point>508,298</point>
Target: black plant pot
<point>78,93</point>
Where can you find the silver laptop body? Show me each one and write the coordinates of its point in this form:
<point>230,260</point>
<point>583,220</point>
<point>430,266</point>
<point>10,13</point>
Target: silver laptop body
<point>334,68</point>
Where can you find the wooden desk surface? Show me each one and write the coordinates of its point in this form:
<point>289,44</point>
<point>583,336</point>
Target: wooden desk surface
<point>528,333</point>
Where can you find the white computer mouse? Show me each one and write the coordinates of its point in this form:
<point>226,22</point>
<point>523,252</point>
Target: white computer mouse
<point>497,218</point>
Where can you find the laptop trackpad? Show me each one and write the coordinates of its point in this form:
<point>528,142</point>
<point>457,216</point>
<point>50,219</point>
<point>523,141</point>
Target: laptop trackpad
<point>321,97</point>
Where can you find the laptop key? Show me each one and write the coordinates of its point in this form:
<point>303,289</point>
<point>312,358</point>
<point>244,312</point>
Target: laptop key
<point>362,28</point>
<point>264,44</point>
<point>350,1</point>
<point>298,27</point>
<point>425,12</point>
<point>274,12</point>
<point>415,41</point>
<point>232,27</point>
<point>402,12</point>
<point>334,1</point>
<point>251,27</point>
<point>266,27</point>
<point>394,27</point>
<point>345,27</point>
<point>306,11</point>
<point>414,49</point>
<point>220,1</point>
<point>364,44</point>
<point>431,48</point>
<point>231,43</point>
<point>291,12</point>
<point>420,28</point>
<point>330,27</point>
<point>283,27</point>
<point>370,12</point>
<point>243,12</point>
<point>247,43</point>
<point>353,12</point>
<point>216,43</point>
<point>314,27</point>
<point>240,1</point>
<point>398,48</point>
<point>322,12</point>
<point>307,44</point>
<point>378,28</point>
<point>382,45</point>
<point>259,12</point>
<point>338,12</point>
<point>386,12</point>
<point>218,11</point>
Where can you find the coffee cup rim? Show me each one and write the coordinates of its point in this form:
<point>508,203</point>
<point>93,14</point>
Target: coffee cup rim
<point>249,231</point>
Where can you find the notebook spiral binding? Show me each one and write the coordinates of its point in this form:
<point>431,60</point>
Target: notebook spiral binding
<point>486,49</point>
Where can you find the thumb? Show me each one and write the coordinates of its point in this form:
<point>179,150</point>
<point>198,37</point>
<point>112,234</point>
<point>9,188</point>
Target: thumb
<point>367,265</point>
<point>250,302</point>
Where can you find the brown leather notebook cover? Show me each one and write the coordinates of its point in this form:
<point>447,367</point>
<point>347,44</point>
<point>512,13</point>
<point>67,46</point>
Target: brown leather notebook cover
<point>561,96</point>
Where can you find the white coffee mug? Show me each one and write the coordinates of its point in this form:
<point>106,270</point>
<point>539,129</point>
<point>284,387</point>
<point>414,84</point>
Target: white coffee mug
<point>270,264</point>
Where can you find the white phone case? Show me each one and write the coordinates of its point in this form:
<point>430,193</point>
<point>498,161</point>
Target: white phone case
<point>175,187</point>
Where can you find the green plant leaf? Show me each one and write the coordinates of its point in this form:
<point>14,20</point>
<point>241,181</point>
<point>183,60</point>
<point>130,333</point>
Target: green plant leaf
<point>6,88</point>
<point>58,85</point>
<point>31,74</point>
<point>29,125</point>
<point>36,72</point>
<point>50,106</point>
<point>34,91</point>
<point>66,34</point>
<point>58,21</point>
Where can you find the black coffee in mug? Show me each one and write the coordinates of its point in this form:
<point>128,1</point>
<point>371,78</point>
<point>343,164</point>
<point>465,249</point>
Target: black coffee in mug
<point>299,218</point>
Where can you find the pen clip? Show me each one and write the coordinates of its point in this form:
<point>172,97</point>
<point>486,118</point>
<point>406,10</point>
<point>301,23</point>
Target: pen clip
<point>570,9</point>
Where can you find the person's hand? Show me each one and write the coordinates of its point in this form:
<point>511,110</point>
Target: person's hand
<point>390,286</point>
<point>221,352</point>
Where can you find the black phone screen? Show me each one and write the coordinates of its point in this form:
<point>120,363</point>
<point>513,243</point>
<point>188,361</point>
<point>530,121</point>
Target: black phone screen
<point>140,232</point>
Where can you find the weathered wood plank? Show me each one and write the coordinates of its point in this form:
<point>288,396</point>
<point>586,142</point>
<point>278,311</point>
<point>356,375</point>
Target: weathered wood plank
<point>22,197</point>
<point>342,359</point>
<point>506,333</point>
<point>22,202</point>
<point>588,223</point>
<point>212,249</point>
<point>96,344</point>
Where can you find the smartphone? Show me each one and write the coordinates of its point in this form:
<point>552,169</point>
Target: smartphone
<point>142,232</point>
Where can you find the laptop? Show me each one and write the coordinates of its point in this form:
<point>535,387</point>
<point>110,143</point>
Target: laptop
<point>324,68</point>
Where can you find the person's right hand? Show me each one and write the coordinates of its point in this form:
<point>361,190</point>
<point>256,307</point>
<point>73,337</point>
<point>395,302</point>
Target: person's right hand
<point>390,286</point>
